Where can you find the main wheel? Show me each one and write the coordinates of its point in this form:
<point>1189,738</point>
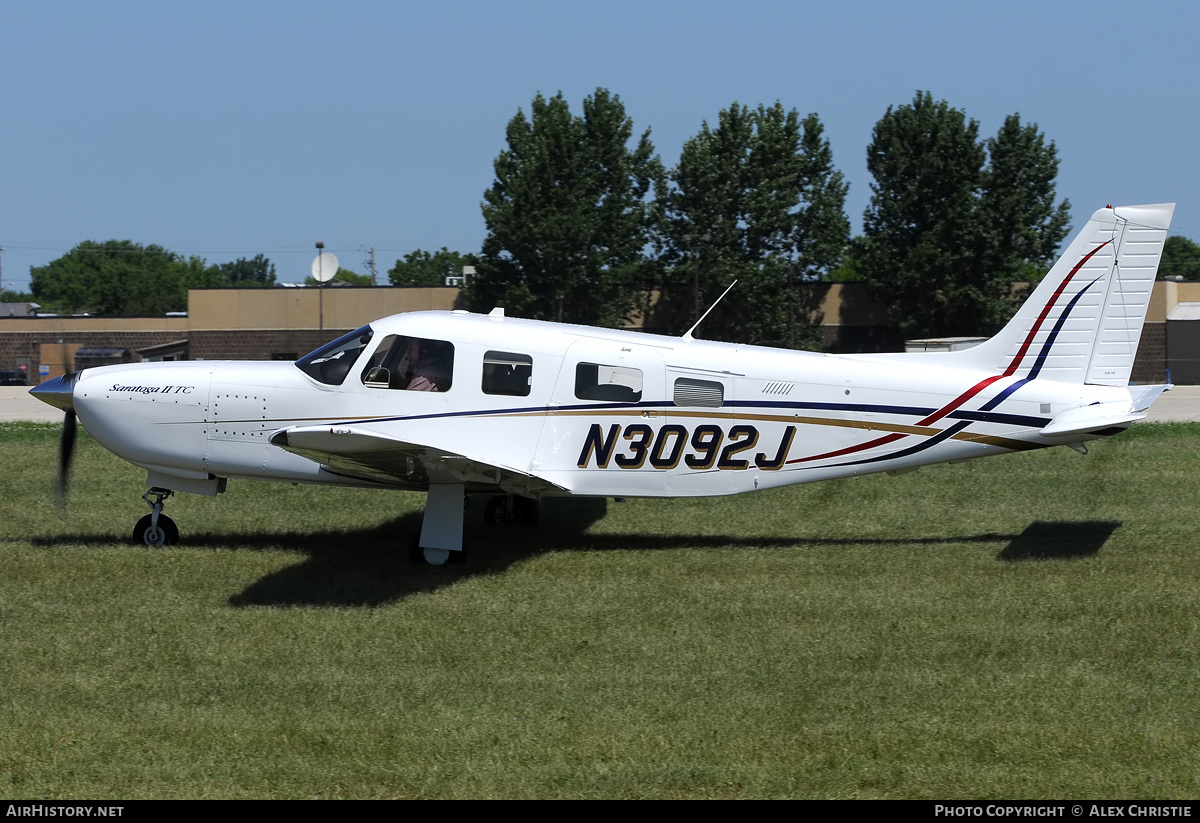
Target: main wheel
<point>436,557</point>
<point>421,555</point>
<point>497,512</point>
<point>167,533</point>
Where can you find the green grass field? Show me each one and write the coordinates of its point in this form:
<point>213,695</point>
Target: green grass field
<point>1019,627</point>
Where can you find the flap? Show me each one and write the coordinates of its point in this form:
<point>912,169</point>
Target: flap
<point>353,451</point>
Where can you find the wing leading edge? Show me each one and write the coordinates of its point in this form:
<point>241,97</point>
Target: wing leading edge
<point>351,451</point>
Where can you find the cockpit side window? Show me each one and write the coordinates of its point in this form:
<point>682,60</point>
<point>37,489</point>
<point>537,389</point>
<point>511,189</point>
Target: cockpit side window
<point>596,381</point>
<point>383,363</point>
<point>332,362</point>
<point>411,363</point>
<point>507,373</point>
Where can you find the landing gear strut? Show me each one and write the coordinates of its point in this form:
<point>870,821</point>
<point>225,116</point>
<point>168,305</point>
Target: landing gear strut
<point>156,529</point>
<point>441,538</point>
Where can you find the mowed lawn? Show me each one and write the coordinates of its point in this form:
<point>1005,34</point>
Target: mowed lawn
<point>1018,627</point>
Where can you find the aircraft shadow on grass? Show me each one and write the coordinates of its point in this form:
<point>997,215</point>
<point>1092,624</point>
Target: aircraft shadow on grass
<point>371,566</point>
<point>1044,540</point>
<point>369,569</point>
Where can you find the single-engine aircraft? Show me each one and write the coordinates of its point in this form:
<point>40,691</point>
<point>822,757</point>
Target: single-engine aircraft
<point>461,404</point>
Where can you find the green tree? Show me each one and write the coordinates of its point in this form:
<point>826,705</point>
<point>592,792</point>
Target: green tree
<point>755,198</point>
<point>1022,228</point>
<point>346,276</point>
<point>254,273</point>
<point>116,277</point>
<point>10,296</point>
<point>947,231</point>
<point>569,215</point>
<point>421,268</point>
<point>1180,258</point>
<point>197,274</point>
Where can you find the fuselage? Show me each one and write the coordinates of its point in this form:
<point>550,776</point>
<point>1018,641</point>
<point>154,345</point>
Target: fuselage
<point>581,410</point>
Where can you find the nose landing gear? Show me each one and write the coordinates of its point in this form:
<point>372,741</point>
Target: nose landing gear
<point>156,529</point>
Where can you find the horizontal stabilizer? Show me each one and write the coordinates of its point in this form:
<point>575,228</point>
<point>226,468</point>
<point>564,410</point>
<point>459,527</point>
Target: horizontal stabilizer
<point>1144,396</point>
<point>1091,418</point>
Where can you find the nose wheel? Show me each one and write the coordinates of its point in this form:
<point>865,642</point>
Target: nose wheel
<point>156,529</point>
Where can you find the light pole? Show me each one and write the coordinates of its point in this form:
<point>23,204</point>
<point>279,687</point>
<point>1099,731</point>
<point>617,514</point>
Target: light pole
<point>696,253</point>
<point>320,289</point>
<point>789,246</point>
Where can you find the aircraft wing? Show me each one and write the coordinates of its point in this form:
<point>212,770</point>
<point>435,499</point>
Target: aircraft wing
<point>352,451</point>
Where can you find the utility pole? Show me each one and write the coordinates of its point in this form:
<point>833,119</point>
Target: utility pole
<point>371,266</point>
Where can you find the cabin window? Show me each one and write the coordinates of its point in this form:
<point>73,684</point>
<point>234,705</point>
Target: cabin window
<point>507,373</point>
<point>332,362</point>
<point>595,381</point>
<point>692,392</point>
<point>410,364</point>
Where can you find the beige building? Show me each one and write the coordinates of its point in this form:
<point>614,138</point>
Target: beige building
<point>285,323</point>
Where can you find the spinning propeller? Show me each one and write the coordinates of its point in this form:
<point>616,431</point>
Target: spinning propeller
<point>59,393</point>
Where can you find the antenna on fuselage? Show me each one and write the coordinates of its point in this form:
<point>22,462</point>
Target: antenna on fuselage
<point>688,334</point>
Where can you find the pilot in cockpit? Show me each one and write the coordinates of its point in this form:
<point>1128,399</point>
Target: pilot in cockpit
<point>430,364</point>
<point>413,363</point>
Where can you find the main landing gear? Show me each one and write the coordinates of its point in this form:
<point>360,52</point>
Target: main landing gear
<point>440,540</point>
<point>156,529</point>
<point>441,537</point>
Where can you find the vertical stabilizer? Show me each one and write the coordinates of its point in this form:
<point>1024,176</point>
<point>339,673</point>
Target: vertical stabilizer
<point>1083,322</point>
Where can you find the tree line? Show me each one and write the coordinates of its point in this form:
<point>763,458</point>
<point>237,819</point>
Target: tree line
<point>585,224</point>
<point>120,277</point>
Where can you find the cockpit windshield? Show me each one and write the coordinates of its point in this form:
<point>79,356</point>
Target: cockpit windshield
<point>331,363</point>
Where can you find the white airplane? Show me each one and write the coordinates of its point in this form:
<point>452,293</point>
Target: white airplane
<point>466,404</point>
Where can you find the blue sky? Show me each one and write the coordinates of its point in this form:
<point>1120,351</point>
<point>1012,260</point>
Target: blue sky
<point>228,129</point>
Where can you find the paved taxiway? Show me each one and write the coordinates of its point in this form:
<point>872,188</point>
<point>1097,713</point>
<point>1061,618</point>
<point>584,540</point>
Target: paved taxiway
<point>1181,404</point>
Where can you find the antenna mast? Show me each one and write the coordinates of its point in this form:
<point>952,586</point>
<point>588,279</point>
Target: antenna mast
<point>688,334</point>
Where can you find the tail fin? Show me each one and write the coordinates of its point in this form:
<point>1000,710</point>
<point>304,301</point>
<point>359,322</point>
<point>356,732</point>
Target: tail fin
<point>1083,322</point>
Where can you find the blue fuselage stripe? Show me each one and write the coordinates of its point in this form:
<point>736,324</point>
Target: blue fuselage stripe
<point>983,416</point>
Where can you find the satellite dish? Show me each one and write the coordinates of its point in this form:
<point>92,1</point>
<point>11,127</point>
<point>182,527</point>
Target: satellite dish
<point>324,267</point>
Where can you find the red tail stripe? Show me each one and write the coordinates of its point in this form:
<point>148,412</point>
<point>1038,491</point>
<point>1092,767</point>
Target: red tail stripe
<point>1046,309</point>
<point>962,398</point>
<point>980,386</point>
<point>879,441</point>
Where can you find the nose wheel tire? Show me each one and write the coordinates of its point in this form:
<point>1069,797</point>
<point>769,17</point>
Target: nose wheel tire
<point>167,533</point>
